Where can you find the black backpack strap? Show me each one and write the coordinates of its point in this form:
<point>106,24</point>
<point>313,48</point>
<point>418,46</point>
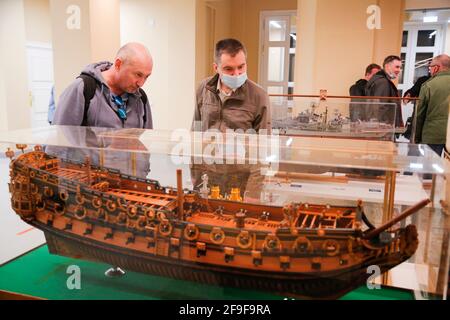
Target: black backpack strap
<point>90,84</point>
<point>144,101</point>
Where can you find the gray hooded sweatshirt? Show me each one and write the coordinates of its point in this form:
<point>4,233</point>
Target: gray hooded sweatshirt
<point>102,110</point>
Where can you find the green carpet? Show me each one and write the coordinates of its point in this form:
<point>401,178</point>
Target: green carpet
<point>41,274</point>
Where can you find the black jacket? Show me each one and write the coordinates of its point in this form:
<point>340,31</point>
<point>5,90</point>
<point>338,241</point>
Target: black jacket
<point>381,86</point>
<point>414,91</point>
<point>358,89</point>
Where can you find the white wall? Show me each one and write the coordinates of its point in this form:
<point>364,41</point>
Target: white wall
<point>447,41</point>
<point>97,39</point>
<point>167,28</point>
<point>335,46</point>
<point>14,104</point>
<point>105,29</point>
<point>37,21</point>
<point>71,48</point>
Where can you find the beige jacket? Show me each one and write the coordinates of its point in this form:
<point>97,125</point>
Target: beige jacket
<point>247,108</point>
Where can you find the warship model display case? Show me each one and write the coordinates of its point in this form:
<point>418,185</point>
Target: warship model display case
<point>301,217</point>
<point>342,117</point>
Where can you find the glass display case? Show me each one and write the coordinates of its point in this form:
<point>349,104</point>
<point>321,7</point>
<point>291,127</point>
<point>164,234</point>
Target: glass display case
<point>298,217</point>
<point>334,117</point>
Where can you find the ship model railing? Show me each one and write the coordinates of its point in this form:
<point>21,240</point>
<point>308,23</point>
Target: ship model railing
<point>87,190</point>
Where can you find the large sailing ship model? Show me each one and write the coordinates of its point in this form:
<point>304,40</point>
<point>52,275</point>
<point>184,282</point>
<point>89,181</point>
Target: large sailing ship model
<point>299,250</point>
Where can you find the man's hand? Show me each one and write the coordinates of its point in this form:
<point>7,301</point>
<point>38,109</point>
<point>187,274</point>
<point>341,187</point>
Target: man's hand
<point>406,98</point>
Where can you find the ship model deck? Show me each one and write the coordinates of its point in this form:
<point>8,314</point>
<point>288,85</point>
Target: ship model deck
<point>299,250</point>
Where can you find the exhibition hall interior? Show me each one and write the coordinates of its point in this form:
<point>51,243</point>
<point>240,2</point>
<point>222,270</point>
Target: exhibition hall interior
<point>224,150</point>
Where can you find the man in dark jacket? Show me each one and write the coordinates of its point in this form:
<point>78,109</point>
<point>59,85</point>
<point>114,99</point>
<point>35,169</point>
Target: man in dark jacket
<point>381,85</point>
<point>413,92</point>
<point>358,111</point>
<point>359,88</point>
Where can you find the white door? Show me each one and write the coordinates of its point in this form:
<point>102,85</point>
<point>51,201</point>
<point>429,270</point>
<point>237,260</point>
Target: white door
<point>277,51</point>
<point>40,81</point>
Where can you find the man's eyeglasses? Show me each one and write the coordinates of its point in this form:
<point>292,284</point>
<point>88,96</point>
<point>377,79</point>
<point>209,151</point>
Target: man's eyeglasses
<point>121,111</point>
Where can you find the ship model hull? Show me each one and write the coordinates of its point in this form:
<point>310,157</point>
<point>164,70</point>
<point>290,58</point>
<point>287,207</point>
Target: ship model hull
<point>300,250</point>
<point>320,286</point>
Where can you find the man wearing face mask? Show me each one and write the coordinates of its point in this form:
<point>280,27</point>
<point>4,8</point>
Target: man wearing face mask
<point>229,100</point>
<point>382,85</point>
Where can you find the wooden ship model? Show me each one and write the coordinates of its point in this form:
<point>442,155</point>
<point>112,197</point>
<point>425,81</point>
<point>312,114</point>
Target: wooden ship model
<point>299,250</point>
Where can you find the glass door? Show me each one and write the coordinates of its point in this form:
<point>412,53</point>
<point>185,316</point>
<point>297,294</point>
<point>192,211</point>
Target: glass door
<point>277,51</point>
<point>420,43</point>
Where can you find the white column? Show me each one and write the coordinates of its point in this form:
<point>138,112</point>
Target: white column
<point>306,47</point>
<point>83,32</point>
<point>14,103</point>
<point>167,28</point>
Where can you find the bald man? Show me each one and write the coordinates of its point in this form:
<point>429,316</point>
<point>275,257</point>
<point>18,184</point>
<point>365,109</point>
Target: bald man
<point>109,94</point>
<point>432,110</point>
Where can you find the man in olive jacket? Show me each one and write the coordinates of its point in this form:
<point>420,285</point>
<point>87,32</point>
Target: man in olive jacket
<point>381,85</point>
<point>432,110</point>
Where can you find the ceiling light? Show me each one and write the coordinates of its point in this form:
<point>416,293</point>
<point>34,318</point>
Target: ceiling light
<point>428,19</point>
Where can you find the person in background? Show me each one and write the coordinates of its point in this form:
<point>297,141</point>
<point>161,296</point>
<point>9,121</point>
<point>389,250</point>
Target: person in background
<point>413,92</point>
<point>382,85</point>
<point>359,111</point>
<point>359,88</point>
<point>432,109</point>
<point>51,106</point>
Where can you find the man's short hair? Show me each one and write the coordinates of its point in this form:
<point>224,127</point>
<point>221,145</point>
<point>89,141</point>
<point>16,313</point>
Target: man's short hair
<point>229,46</point>
<point>372,66</point>
<point>443,60</point>
<point>389,59</point>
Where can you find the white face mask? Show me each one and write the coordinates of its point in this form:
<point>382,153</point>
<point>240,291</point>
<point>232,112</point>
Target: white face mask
<point>233,82</point>
<point>392,76</point>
